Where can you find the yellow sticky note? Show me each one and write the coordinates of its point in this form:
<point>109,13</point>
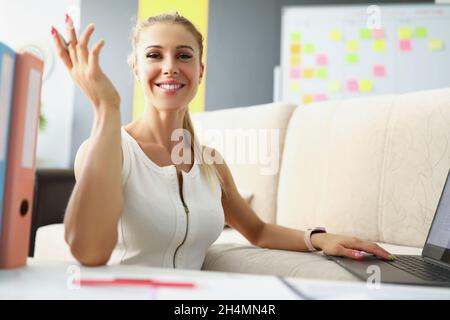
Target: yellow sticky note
<point>295,49</point>
<point>336,35</point>
<point>404,33</point>
<point>296,37</point>
<point>334,86</point>
<point>309,48</point>
<point>352,58</point>
<point>322,73</point>
<point>365,85</point>
<point>295,61</point>
<point>308,98</point>
<point>436,45</point>
<point>294,87</point>
<point>308,73</point>
<point>352,46</point>
<point>379,45</point>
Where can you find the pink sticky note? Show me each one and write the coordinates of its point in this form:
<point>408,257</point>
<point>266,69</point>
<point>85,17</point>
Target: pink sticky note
<point>405,44</point>
<point>379,70</point>
<point>352,85</point>
<point>295,73</point>
<point>320,97</point>
<point>378,33</point>
<point>322,59</point>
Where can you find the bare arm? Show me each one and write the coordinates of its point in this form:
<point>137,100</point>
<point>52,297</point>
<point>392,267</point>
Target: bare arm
<point>240,216</point>
<point>96,202</point>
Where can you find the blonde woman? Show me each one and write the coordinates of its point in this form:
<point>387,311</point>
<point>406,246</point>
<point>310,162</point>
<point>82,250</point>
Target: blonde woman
<point>168,212</point>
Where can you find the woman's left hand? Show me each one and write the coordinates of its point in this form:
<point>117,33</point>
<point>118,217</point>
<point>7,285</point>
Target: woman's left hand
<point>351,247</point>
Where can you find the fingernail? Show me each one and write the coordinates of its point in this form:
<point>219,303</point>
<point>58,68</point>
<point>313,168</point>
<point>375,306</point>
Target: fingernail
<point>67,18</point>
<point>359,254</point>
<point>392,257</point>
<point>53,30</point>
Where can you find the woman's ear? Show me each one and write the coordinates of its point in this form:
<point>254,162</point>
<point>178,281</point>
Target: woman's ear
<point>202,71</point>
<point>136,73</point>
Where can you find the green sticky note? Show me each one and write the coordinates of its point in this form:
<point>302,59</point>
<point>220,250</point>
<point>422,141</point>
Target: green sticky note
<point>365,85</point>
<point>404,33</point>
<point>352,58</point>
<point>336,35</point>
<point>322,73</point>
<point>421,32</point>
<point>379,45</point>
<point>334,86</point>
<point>352,46</point>
<point>365,34</point>
<point>436,45</point>
<point>296,37</point>
<point>309,48</point>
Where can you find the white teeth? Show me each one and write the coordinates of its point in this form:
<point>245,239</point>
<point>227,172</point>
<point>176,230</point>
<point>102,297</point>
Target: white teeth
<point>170,86</point>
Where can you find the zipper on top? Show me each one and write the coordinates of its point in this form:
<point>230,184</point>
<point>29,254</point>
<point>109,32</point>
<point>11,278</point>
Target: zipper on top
<point>186,210</point>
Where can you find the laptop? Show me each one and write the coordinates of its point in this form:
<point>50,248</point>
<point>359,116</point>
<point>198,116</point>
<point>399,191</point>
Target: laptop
<point>431,268</point>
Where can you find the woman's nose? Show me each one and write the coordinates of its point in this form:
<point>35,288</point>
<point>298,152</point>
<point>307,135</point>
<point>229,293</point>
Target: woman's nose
<point>170,67</point>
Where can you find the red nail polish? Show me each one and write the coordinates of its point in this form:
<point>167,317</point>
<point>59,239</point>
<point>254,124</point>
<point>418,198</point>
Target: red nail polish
<point>67,18</point>
<point>53,31</point>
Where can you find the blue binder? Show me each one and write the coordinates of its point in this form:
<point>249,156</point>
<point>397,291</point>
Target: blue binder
<point>7,64</point>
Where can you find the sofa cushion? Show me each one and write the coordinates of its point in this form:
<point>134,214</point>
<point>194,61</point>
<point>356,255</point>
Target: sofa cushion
<point>252,170</point>
<point>370,167</point>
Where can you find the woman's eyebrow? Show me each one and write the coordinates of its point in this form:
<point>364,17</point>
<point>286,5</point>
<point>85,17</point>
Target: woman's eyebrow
<point>178,47</point>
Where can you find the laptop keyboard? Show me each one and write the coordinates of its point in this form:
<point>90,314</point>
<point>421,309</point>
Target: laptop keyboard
<point>421,268</point>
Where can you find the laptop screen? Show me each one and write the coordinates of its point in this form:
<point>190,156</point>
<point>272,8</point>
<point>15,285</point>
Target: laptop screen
<point>437,245</point>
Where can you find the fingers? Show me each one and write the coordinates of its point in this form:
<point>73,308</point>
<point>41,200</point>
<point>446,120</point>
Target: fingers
<point>61,48</point>
<point>71,34</point>
<point>82,48</point>
<point>350,253</point>
<point>95,53</point>
<point>371,248</point>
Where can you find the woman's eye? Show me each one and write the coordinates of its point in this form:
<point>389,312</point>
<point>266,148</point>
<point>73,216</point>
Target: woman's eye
<point>152,55</point>
<point>184,56</point>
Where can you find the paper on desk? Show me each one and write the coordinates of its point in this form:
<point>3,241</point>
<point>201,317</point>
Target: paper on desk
<point>230,287</point>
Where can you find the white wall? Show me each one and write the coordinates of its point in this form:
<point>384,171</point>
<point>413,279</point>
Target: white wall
<point>28,23</point>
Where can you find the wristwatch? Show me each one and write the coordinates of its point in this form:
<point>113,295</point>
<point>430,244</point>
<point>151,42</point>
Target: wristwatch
<point>308,235</point>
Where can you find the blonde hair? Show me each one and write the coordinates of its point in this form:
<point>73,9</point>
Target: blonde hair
<point>207,168</point>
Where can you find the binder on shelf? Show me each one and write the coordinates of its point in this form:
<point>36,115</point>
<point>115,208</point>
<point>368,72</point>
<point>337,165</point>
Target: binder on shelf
<point>7,61</point>
<point>18,199</point>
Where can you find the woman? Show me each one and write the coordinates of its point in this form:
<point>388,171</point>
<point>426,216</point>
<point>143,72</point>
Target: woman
<point>168,211</point>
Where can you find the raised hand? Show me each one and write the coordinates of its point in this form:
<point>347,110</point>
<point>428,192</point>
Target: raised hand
<point>84,67</point>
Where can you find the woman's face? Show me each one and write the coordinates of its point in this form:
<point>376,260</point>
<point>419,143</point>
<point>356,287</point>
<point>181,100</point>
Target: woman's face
<point>168,65</point>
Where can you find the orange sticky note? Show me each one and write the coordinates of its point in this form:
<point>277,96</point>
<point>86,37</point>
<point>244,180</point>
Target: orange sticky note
<point>295,49</point>
<point>295,61</point>
<point>308,73</point>
<point>307,98</point>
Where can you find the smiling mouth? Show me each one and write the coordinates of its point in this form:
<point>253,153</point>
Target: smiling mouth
<point>170,87</point>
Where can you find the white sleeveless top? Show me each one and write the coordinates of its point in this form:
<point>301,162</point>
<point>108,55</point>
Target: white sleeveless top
<point>155,227</point>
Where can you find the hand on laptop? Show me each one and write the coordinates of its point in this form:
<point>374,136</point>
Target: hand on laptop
<point>84,67</point>
<point>351,247</point>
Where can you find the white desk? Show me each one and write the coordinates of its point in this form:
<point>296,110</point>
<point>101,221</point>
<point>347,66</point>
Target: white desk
<point>43,279</point>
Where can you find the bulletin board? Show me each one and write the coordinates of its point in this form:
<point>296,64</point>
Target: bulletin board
<point>332,52</point>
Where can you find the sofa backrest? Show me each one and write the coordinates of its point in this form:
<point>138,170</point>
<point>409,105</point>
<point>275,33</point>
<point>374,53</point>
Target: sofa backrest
<point>260,126</point>
<point>371,167</point>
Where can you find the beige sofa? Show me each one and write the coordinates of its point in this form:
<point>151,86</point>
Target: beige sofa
<point>369,167</point>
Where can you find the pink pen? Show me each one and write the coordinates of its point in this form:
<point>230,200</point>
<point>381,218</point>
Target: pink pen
<point>131,282</point>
